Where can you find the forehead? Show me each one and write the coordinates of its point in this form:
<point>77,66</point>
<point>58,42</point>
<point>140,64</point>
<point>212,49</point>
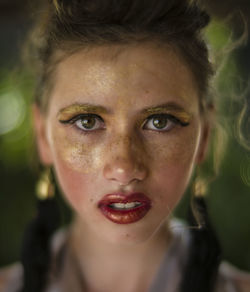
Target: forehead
<point>124,72</point>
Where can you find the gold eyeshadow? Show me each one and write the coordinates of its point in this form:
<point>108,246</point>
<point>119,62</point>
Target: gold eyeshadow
<point>75,109</point>
<point>170,109</point>
<point>65,114</point>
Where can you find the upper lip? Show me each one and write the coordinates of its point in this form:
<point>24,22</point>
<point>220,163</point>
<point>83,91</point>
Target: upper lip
<point>124,198</point>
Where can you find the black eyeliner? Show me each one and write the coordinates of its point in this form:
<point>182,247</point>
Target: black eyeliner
<point>77,117</point>
<point>168,116</point>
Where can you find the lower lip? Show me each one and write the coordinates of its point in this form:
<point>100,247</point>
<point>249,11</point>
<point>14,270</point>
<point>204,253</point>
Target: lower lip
<point>125,216</point>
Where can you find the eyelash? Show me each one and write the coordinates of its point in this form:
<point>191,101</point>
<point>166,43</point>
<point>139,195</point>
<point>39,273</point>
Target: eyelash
<point>80,117</point>
<point>167,118</point>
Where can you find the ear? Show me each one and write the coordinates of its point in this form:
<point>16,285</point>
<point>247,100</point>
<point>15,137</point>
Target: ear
<point>204,142</point>
<point>43,146</point>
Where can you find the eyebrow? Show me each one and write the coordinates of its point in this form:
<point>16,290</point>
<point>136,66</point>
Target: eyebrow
<point>73,108</point>
<point>166,107</point>
<point>87,107</point>
<point>169,108</point>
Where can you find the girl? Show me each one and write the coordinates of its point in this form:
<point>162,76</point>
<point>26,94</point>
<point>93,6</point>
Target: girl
<point>123,116</point>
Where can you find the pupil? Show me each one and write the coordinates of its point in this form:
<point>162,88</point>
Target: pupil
<point>88,123</point>
<point>160,123</point>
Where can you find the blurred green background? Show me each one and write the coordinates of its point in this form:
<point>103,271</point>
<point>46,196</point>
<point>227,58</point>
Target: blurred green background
<point>229,195</point>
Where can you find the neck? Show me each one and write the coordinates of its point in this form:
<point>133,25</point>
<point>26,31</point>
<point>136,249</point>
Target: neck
<point>113,264</point>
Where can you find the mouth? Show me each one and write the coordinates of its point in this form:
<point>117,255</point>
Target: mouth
<point>125,208</point>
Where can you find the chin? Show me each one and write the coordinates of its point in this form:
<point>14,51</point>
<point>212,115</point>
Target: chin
<point>130,234</point>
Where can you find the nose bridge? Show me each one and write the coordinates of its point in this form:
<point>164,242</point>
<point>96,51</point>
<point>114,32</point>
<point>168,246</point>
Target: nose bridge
<point>124,144</point>
<point>128,149</point>
<point>126,160</point>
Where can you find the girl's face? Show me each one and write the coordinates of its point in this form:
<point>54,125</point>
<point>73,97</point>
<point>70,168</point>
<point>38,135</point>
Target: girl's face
<point>123,132</point>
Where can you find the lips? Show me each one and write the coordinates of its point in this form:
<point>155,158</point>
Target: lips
<point>124,208</point>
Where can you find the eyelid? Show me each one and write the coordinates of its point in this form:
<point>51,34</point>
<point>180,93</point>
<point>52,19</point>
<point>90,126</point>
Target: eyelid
<point>168,116</point>
<point>73,119</point>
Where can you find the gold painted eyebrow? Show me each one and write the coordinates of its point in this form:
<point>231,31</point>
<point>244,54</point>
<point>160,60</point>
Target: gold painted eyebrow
<point>166,107</point>
<point>171,109</point>
<point>80,108</point>
<point>174,109</point>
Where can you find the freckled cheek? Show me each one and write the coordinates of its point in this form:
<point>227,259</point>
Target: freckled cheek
<point>74,185</point>
<point>81,155</point>
<point>76,166</point>
<point>173,151</point>
<point>171,170</point>
<point>170,183</point>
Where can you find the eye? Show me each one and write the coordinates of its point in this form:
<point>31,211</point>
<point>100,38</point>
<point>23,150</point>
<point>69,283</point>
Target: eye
<point>86,122</point>
<point>161,122</point>
<point>89,122</point>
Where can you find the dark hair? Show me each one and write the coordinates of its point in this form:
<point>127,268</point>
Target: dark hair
<point>36,254</point>
<point>204,252</point>
<point>65,26</point>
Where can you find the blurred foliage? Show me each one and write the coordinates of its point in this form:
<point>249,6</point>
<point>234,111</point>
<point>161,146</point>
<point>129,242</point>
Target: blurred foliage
<point>229,194</point>
<point>15,119</point>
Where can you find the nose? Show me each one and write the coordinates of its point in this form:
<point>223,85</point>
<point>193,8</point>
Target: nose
<point>125,163</point>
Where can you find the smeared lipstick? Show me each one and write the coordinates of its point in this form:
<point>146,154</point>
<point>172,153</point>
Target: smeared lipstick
<point>124,208</point>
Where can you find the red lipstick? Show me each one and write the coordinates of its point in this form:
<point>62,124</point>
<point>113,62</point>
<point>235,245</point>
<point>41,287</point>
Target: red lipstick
<point>124,208</point>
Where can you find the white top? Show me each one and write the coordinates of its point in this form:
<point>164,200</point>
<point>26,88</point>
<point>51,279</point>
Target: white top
<point>230,278</point>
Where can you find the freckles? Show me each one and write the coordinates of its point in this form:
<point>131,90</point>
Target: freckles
<point>179,148</point>
<point>173,163</point>
<point>172,152</point>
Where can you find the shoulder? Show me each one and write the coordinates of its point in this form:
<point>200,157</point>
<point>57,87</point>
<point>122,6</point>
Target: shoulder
<point>230,278</point>
<point>233,279</point>
<point>11,278</point>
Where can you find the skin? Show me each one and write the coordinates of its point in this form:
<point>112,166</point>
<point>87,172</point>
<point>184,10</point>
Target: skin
<point>124,85</point>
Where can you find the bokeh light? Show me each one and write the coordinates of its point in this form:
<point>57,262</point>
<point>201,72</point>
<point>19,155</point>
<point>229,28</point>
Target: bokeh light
<point>12,111</point>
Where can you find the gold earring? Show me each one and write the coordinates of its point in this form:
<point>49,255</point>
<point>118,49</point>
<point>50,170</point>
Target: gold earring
<point>45,188</point>
<point>199,187</point>
<point>199,190</point>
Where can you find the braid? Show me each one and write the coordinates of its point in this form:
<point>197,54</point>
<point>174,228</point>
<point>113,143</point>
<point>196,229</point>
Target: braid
<point>36,250</point>
<point>204,254</point>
